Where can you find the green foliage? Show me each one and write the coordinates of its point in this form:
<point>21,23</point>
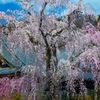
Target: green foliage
<point>76,96</point>
<point>42,95</point>
<point>91,93</point>
<point>97,20</point>
<point>63,97</point>
<point>13,97</point>
<point>18,96</point>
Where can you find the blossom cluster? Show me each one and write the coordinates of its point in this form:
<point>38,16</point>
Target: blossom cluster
<point>5,87</point>
<point>9,86</point>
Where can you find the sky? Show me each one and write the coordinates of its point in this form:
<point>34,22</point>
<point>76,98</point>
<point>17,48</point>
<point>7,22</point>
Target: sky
<point>12,4</point>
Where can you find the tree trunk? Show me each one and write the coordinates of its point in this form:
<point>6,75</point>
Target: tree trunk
<point>53,91</point>
<point>48,58</point>
<point>56,60</point>
<point>52,82</point>
<point>56,92</point>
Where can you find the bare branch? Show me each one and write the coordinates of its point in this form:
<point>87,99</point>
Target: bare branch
<point>26,11</point>
<point>40,25</point>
